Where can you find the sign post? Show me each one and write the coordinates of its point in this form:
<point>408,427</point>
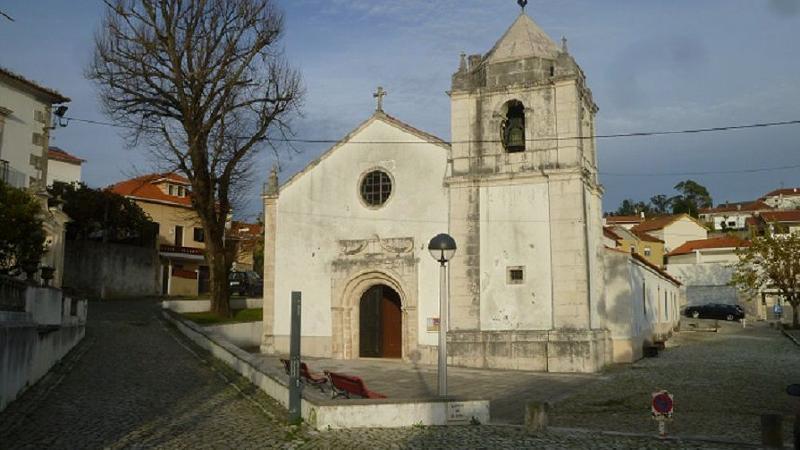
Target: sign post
<point>661,407</point>
<point>294,361</point>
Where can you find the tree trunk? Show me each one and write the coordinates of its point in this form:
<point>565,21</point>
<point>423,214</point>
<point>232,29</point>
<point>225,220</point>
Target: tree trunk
<point>219,267</point>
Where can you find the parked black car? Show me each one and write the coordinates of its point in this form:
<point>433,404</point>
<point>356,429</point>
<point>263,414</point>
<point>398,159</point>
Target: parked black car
<point>248,284</point>
<point>715,311</point>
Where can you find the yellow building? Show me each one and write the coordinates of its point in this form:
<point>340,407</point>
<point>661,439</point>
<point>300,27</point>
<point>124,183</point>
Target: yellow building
<point>638,242</point>
<point>166,198</point>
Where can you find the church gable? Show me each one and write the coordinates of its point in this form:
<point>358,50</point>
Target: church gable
<point>383,130</point>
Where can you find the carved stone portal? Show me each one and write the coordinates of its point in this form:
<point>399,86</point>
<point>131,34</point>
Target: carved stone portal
<point>365,263</point>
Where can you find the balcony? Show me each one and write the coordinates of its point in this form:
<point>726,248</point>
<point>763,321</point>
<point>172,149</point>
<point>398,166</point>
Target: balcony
<point>11,176</point>
<point>176,252</point>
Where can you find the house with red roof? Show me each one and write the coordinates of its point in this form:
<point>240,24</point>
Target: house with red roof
<point>784,198</point>
<point>673,230</point>
<point>732,216</point>
<point>626,222</point>
<point>63,166</point>
<point>167,199</point>
<point>779,222</point>
<point>705,267</point>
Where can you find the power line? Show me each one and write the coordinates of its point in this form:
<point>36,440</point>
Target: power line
<point>710,172</point>
<point>496,141</point>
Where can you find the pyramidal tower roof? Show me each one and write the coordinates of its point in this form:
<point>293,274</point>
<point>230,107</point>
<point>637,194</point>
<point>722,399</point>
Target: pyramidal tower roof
<point>524,39</point>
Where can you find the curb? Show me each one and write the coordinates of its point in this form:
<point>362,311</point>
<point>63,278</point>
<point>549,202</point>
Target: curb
<point>792,338</point>
<point>673,438</point>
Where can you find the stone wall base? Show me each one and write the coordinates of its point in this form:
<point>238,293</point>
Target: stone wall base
<point>582,351</point>
<point>314,346</point>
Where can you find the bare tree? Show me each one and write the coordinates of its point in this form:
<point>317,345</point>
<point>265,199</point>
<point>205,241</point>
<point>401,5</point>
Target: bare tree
<point>205,85</point>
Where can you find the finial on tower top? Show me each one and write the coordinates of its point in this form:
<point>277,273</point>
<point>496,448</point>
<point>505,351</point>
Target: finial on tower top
<point>379,94</point>
<point>272,182</point>
<point>522,4</point>
<point>564,44</point>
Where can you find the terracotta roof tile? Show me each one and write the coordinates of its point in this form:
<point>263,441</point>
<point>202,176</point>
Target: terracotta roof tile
<point>58,154</point>
<point>145,188</point>
<point>781,216</point>
<point>703,244</point>
<point>658,223</point>
<point>646,237</point>
<point>661,271</point>
<point>624,219</point>
<point>786,191</point>
<point>609,233</point>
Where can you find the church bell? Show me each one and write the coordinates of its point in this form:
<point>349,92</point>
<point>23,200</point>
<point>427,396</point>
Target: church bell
<point>515,134</point>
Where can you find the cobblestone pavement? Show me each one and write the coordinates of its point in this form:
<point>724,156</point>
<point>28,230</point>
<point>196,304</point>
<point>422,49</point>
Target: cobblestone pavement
<point>133,383</point>
<point>722,383</point>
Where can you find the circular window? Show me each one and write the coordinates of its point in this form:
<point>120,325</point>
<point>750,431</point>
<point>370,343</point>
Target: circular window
<point>376,187</point>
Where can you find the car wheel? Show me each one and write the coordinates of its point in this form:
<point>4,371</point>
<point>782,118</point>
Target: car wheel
<point>729,317</point>
<point>696,314</point>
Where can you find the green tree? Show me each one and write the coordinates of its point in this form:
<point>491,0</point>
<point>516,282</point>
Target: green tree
<point>661,204</point>
<point>100,214</point>
<point>771,262</point>
<point>691,198</point>
<point>21,234</point>
<point>632,208</point>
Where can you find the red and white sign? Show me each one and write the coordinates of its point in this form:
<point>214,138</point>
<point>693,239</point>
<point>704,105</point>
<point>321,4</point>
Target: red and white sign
<point>662,404</point>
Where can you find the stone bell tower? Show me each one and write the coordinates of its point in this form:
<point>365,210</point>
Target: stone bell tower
<point>527,280</point>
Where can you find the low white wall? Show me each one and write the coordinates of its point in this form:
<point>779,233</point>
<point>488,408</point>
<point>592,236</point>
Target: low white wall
<point>240,334</point>
<point>330,414</point>
<point>31,342</point>
<point>194,306</point>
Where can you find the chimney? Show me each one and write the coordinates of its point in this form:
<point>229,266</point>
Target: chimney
<point>462,66</point>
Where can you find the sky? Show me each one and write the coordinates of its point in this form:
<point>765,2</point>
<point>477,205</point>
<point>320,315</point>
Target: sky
<point>652,65</point>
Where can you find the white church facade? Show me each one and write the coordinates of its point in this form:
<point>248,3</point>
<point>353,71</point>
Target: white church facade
<point>518,190</point>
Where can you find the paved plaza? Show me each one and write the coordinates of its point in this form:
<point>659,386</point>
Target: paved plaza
<point>508,390</point>
<point>135,383</point>
<point>722,383</point>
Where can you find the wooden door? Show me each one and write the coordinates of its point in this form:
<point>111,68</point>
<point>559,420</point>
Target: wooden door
<point>370,323</point>
<point>392,321</point>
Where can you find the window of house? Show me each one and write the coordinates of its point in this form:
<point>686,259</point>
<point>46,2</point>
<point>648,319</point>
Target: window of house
<point>39,116</point>
<point>731,223</point>
<point>513,132</point>
<point>178,236</point>
<point>171,189</point>
<point>181,191</point>
<point>376,187</point>
<point>37,139</point>
<point>36,161</point>
<point>666,305</point>
<point>199,235</point>
<point>647,251</point>
<point>515,275</point>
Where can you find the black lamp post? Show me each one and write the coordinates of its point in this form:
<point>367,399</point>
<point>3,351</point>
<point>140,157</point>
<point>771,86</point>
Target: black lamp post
<point>442,248</point>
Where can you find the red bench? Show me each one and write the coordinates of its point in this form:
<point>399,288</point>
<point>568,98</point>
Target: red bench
<point>306,375</point>
<point>346,385</point>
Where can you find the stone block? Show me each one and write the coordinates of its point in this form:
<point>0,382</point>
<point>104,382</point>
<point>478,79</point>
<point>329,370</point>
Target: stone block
<point>536,416</point>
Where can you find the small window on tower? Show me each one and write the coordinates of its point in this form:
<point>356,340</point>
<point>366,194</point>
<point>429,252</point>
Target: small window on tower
<point>513,132</point>
<point>516,275</point>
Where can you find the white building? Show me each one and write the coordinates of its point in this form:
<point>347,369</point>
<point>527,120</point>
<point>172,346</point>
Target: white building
<point>673,230</point>
<point>63,167</point>
<point>25,120</point>
<point>517,192</point>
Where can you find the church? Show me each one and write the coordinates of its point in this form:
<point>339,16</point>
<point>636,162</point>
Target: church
<point>518,190</point>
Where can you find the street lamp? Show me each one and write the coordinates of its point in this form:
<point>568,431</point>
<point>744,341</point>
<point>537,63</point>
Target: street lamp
<point>442,248</point>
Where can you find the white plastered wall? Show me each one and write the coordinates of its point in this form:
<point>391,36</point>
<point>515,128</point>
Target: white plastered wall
<point>322,206</point>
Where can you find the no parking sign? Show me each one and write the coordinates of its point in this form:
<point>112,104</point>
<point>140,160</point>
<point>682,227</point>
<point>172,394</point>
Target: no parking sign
<point>662,405</point>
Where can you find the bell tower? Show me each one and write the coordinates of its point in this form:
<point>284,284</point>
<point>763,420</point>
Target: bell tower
<point>525,208</point>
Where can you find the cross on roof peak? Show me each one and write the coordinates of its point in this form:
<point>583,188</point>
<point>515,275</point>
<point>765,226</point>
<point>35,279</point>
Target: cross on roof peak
<point>379,94</point>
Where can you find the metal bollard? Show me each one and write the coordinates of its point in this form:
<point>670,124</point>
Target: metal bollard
<point>772,430</point>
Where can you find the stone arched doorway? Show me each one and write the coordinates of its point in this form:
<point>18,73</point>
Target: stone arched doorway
<point>380,320</point>
<point>346,311</point>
